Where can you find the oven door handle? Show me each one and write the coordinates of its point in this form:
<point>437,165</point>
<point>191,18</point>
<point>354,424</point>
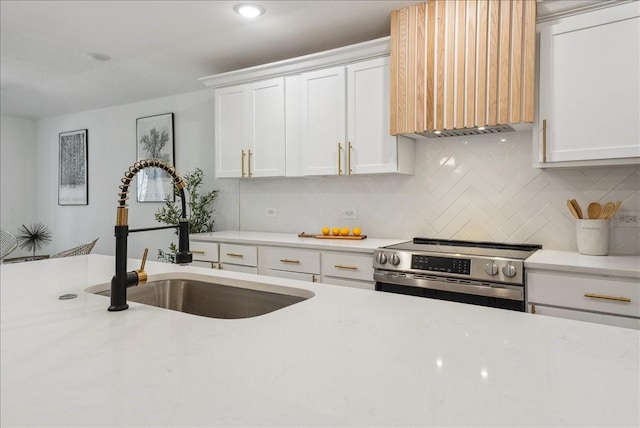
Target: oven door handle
<point>502,291</point>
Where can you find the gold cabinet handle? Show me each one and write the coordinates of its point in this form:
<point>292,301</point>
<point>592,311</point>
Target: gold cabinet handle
<point>242,163</point>
<point>346,267</point>
<point>297,262</point>
<point>605,297</point>
<point>314,278</point>
<point>533,309</point>
<point>339,159</point>
<point>249,164</point>
<point>544,141</point>
<point>349,158</point>
<point>197,251</point>
<point>235,255</point>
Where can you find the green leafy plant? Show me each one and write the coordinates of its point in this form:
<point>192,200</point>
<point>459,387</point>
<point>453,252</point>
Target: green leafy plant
<point>200,211</point>
<point>33,237</point>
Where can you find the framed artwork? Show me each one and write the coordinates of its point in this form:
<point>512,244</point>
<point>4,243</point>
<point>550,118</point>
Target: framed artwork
<point>154,140</point>
<point>73,170</point>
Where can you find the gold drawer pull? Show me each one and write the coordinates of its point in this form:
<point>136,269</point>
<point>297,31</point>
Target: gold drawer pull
<point>197,251</point>
<point>235,255</point>
<point>290,261</point>
<point>602,296</point>
<point>346,267</point>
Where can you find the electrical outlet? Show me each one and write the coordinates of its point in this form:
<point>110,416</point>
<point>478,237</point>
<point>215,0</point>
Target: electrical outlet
<point>350,213</point>
<point>270,212</point>
<point>627,219</point>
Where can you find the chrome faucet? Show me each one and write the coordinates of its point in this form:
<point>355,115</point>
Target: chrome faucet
<point>123,279</point>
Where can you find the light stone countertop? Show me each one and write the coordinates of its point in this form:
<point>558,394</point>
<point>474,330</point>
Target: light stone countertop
<point>345,357</point>
<point>366,245</point>
<point>571,261</point>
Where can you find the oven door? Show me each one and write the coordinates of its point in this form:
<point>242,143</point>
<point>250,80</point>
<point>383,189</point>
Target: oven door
<point>494,295</point>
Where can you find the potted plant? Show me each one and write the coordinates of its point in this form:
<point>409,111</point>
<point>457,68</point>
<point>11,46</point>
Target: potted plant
<point>200,211</point>
<point>33,237</point>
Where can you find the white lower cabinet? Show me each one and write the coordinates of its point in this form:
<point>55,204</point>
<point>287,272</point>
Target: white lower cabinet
<point>239,258</point>
<point>205,254</point>
<point>348,269</point>
<point>599,299</point>
<point>289,262</point>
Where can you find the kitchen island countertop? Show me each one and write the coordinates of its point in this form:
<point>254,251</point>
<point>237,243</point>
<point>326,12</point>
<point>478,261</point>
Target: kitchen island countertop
<point>345,357</point>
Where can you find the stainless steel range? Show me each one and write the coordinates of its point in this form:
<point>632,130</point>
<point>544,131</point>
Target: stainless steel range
<point>480,273</point>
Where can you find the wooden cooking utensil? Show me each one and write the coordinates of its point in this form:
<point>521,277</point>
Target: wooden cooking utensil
<point>593,210</point>
<point>607,209</point>
<point>572,209</point>
<point>615,210</point>
<point>576,206</point>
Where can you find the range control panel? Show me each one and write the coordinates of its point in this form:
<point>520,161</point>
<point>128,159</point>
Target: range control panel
<point>441,264</point>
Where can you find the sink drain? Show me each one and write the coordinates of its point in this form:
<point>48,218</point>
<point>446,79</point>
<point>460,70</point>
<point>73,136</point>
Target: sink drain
<point>68,296</point>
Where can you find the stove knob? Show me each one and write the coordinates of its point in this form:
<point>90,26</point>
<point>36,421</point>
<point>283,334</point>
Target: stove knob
<point>509,270</point>
<point>381,258</point>
<point>491,268</point>
<point>394,259</point>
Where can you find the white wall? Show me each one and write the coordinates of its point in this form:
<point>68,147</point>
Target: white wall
<point>478,188</point>
<point>112,149</point>
<point>18,175</point>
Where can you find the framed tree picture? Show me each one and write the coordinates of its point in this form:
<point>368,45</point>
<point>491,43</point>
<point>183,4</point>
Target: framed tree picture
<point>73,170</point>
<point>154,140</point>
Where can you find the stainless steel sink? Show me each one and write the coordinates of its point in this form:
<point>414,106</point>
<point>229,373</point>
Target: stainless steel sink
<point>212,299</point>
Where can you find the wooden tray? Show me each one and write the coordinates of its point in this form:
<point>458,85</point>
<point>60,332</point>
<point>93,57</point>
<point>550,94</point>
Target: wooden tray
<point>320,236</point>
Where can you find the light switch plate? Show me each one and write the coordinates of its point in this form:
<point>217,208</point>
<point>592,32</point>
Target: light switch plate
<point>349,213</point>
<point>627,219</point>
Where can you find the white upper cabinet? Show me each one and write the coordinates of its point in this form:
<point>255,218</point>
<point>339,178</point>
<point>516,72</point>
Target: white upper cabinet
<point>589,107</point>
<point>323,126</point>
<point>250,129</point>
<point>345,122</point>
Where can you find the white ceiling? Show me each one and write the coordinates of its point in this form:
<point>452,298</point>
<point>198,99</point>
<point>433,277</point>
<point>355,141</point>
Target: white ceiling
<point>160,48</point>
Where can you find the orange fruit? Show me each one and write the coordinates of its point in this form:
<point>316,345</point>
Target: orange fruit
<point>335,231</point>
<point>357,231</point>
<point>325,230</point>
<point>344,231</point>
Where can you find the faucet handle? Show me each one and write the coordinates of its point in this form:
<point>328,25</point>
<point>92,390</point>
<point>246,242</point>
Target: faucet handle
<point>142,275</point>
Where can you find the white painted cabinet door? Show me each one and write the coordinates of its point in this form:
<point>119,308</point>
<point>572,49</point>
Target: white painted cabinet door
<point>250,130</point>
<point>323,104</point>
<point>370,146</point>
<point>229,129</point>
<point>589,86</point>
<point>265,115</point>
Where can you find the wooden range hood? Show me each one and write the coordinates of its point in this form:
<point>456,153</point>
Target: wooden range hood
<point>457,66</point>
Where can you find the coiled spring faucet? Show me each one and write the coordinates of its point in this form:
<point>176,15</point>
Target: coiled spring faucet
<point>123,279</point>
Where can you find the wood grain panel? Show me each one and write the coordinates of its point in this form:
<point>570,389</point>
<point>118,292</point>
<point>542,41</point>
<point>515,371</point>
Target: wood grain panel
<point>440,62</point>
<point>516,60</point>
<point>504,62</point>
<point>494,20</point>
<point>402,71</point>
<point>421,59</point>
<point>461,38</point>
<point>482,62</point>
<point>431,61</point>
<point>450,67</point>
<point>393,74</point>
<point>528,69</point>
<point>470,89</point>
<point>412,48</point>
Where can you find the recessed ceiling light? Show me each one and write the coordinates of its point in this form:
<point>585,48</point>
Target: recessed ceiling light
<point>97,56</point>
<point>249,10</point>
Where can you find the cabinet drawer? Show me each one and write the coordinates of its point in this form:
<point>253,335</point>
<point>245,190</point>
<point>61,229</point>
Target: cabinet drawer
<point>613,296</point>
<point>204,264</point>
<point>293,260</point>
<point>353,283</point>
<point>586,316</point>
<point>292,275</point>
<point>344,265</point>
<point>239,254</point>
<point>204,251</point>
<point>238,268</point>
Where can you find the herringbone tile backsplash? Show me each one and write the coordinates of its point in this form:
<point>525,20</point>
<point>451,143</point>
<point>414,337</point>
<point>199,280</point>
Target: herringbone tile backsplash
<point>476,188</point>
